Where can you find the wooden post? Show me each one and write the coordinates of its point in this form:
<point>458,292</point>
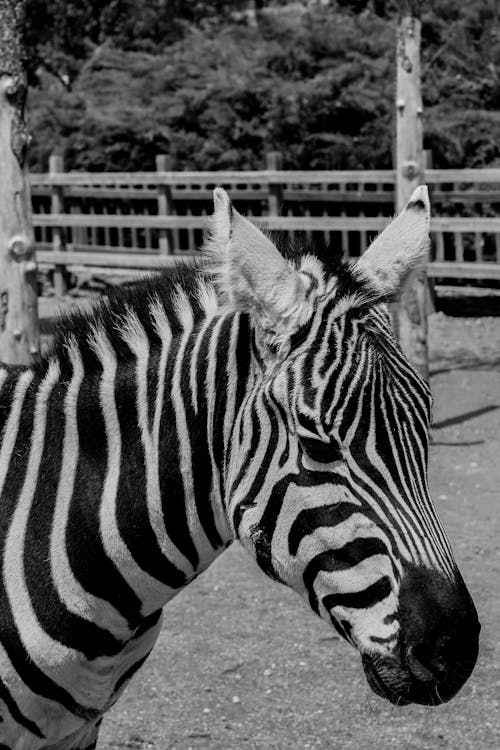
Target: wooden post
<point>275,199</point>
<point>431,288</point>
<point>56,166</point>
<point>165,204</point>
<point>410,313</point>
<point>19,332</point>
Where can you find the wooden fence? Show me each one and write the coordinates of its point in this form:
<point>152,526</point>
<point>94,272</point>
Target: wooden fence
<point>144,220</point>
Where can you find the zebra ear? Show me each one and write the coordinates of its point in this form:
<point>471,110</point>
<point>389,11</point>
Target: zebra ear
<point>251,273</point>
<point>401,249</point>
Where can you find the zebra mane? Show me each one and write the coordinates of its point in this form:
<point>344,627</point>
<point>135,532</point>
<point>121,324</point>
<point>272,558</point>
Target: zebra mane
<point>352,289</point>
<point>109,314</point>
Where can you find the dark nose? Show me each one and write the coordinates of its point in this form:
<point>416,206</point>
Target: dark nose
<point>427,661</point>
<point>439,630</point>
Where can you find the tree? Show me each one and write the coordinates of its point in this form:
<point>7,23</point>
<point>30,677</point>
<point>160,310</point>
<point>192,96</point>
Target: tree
<point>18,298</point>
<point>127,80</point>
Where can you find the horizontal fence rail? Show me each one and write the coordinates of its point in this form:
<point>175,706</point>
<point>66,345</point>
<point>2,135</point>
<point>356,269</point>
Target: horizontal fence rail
<point>131,222</point>
<point>266,177</point>
<point>278,223</point>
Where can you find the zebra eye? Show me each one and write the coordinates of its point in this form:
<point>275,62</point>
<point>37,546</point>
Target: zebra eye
<point>321,451</point>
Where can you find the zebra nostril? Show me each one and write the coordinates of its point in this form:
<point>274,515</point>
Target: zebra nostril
<point>423,665</point>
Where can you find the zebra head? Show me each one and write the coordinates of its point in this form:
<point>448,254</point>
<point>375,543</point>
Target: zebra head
<point>327,477</point>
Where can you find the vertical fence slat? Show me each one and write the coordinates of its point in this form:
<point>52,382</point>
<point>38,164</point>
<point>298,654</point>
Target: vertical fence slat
<point>190,233</point>
<point>478,246</point>
<point>76,232</point>
<point>309,234</point>
<point>165,204</point>
<point>147,231</point>
<point>92,230</point>
<point>497,247</point>
<point>344,233</point>
<point>439,247</point>
<point>107,233</point>
<point>362,239</point>
<point>120,233</point>
<point>326,234</point>
<point>292,234</point>
<point>134,231</point>
<point>56,166</point>
<point>274,162</point>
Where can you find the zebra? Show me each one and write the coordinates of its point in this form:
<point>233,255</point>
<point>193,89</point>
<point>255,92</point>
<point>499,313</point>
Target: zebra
<point>258,396</point>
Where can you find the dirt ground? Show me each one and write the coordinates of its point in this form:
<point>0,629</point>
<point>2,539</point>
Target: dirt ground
<point>242,663</point>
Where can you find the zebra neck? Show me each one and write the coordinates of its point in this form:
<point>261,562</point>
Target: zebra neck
<point>114,477</point>
<point>163,515</point>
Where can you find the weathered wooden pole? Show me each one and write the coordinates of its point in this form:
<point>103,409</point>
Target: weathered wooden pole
<point>165,204</point>
<point>19,334</point>
<point>274,163</point>
<point>410,313</point>
<point>56,166</point>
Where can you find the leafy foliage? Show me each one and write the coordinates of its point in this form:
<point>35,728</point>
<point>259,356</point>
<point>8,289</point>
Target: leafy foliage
<point>115,83</point>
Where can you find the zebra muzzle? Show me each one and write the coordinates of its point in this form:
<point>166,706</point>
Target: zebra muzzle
<point>438,642</point>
